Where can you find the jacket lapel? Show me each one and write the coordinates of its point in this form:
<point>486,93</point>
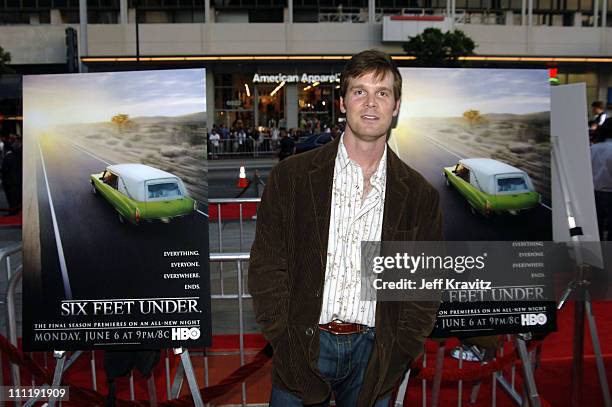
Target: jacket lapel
<point>321,176</point>
<point>397,196</point>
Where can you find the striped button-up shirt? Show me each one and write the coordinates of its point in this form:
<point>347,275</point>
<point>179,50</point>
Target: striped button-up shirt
<point>352,220</point>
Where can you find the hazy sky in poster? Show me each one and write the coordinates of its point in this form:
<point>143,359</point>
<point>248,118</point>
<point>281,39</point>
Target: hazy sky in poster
<point>450,92</point>
<point>511,125</point>
<point>95,97</point>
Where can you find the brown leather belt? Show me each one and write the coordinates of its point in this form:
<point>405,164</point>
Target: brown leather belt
<point>343,328</point>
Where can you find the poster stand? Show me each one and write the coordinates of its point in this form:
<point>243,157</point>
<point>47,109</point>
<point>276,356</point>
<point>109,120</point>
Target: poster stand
<point>60,361</point>
<point>61,365</point>
<point>191,379</point>
<point>529,388</point>
<point>580,290</point>
<point>532,398</point>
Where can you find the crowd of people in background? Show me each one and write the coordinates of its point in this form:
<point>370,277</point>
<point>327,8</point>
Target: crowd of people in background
<point>274,139</point>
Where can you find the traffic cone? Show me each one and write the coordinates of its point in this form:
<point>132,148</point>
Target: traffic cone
<point>243,182</point>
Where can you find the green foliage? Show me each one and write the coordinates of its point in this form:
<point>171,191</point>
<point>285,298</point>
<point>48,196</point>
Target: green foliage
<point>473,117</point>
<point>434,48</point>
<point>122,121</point>
<point>5,59</point>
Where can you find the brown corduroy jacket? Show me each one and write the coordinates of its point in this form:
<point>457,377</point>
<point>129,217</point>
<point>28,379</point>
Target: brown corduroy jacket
<point>287,272</point>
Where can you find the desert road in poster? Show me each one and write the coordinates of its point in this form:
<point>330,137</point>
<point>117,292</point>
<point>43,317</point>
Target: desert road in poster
<point>428,157</point>
<point>98,240</point>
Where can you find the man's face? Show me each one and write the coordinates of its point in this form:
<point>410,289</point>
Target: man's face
<point>370,106</point>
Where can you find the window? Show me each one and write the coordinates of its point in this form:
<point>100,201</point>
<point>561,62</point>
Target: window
<point>462,172</point>
<point>164,190</point>
<point>514,184</point>
<point>270,15</point>
<point>317,106</point>
<point>110,179</point>
<point>234,96</point>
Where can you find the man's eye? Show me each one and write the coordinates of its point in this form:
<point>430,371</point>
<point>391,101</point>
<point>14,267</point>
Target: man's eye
<point>383,93</point>
<point>358,92</point>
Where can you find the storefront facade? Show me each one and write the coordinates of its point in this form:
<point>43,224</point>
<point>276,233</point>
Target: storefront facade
<point>291,96</point>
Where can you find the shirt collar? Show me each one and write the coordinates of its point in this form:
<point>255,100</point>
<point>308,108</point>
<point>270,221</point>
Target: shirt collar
<point>343,158</point>
<point>378,178</point>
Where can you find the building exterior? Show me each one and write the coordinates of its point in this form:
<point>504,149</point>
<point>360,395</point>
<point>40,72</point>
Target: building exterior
<point>250,47</point>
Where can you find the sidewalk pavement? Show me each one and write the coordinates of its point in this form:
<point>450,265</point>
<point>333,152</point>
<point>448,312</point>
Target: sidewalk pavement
<point>234,163</point>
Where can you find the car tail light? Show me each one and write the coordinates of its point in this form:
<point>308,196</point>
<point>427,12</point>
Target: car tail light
<point>488,207</point>
<point>137,215</point>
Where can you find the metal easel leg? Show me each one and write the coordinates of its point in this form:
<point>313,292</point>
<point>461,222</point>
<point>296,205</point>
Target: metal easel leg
<point>601,368</point>
<point>60,360</point>
<point>152,390</point>
<point>177,383</point>
<point>531,389</point>
<point>191,379</point>
<point>437,381</point>
<point>401,393</point>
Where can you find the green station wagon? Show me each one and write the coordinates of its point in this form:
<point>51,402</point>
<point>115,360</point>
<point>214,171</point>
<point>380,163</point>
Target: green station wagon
<point>492,187</point>
<point>142,193</point>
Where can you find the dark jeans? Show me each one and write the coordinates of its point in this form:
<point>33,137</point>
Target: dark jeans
<point>603,206</point>
<point>342,361</point>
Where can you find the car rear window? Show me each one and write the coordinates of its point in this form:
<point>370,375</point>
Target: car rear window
<point>513,184</point>
<point>163,190</point>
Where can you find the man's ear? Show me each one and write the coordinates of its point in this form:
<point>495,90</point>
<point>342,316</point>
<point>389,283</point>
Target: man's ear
<point>397,107</point>
<point>342,108</point>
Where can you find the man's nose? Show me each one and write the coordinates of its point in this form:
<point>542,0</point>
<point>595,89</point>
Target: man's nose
<point>371,101</point>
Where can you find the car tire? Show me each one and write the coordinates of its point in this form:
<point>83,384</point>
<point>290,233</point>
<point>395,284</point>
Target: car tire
<point>94,190</point>
<point>121,218</point>
<point>473,210</point>
<point>448,184</point>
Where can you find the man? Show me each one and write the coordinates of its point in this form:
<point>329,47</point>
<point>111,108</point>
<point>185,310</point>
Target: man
<point>599,115</point>
<point>315,211</point>
<point>214,142</point>
<point>601,163</point>
<point>287,146</point>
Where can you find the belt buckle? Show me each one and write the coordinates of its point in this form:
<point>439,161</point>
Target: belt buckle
<point>342,324</point>
<point>331,326</point>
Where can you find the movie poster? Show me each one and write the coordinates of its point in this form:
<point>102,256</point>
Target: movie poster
<point>481,137</point>
<point>115,222</point>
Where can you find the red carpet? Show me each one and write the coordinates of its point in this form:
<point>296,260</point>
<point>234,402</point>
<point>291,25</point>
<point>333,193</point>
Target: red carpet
<point>553,376</point>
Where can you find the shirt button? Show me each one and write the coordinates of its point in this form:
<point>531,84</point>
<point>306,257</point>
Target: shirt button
<point>317,293</point>
<point>309,332</point>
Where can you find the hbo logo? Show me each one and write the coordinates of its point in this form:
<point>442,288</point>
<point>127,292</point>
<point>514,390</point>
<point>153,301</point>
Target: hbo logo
<point>533,319</point>
<point>182,334</point>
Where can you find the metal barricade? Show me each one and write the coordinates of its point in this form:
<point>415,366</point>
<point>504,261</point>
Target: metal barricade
<point>238,258</point>
<point>242,246</point>
<point>13,277</point>
<point>233,147</point>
